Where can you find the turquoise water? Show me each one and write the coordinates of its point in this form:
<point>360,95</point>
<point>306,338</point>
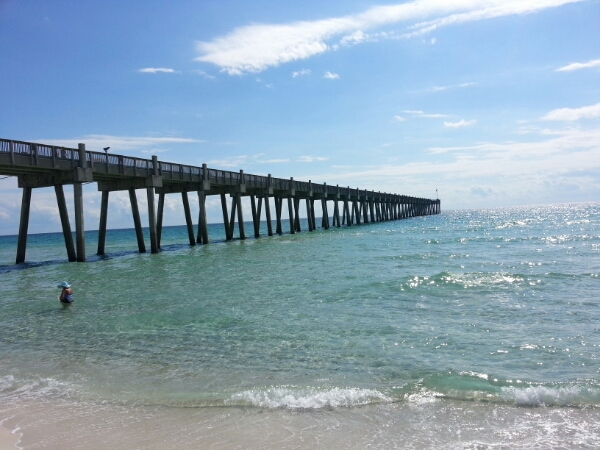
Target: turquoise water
<point>495,307</point>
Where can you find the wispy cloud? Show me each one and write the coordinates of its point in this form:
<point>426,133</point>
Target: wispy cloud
<point>309,159</point>
<point>399,119</point>
<point>455,86</point>
<point>460,123</point>
<point>421,114</point>
<point>96,142</point>
<point>577,66</point>
<point>234,161</point>
<point>154,151</point>
<point>472,172</point>
<point>254,48</point>
<point>331,76</point>
<point>156,70</point>
<point>301,73</point>
<point>355,38</point>
<point>570,115</point>
<point>202,73</point>
<point>273,161</point>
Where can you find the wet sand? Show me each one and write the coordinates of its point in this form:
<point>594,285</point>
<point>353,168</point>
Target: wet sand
<point>438,424</point>
<point>8,440</point>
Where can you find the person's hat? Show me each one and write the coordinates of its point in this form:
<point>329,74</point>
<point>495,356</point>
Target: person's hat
<point>64,284</point>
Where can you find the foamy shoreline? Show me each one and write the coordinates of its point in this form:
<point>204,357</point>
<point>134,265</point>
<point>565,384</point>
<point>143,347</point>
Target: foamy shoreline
<point>432,424</point>
<point>8,439</point>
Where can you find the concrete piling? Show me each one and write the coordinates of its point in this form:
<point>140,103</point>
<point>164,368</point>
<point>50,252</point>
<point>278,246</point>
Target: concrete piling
<point>103,222</point>
<point>64,221</point>
<point>23,225</point>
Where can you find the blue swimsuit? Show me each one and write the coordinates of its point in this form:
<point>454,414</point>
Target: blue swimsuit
<point>68,298</point>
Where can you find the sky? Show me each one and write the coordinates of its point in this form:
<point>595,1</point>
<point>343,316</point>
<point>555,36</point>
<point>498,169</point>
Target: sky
<point>492,103</point>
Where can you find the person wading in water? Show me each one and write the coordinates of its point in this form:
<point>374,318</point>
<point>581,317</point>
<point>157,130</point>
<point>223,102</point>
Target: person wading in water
<point>66,296</point>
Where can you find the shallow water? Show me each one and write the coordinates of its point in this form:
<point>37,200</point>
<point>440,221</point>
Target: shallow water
<point>446,322</point>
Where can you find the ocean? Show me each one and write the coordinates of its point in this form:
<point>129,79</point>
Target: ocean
<point>475,329</point>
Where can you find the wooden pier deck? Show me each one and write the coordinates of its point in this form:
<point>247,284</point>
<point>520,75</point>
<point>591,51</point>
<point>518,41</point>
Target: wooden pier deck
<point>39,165</point>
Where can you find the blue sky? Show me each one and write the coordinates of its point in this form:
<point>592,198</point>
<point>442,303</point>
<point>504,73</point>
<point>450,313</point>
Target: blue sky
<point>494,103</point>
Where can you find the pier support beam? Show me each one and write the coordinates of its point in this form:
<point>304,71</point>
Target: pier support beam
<point>159,217</point>
<point>136,221</point>
<point>258,215</point>
<point>202,222</point>
<point>23,225</point>
<point>291,214</point>
<point>348,218</point>
<point>238,202</point>
<point>325,218</point>
<point>268,214</point>
<point>79,229</point>
<point>78,196</point>
<point>308,215</point>
<point>297,214</point>
<point>255,215</point>
<point>64,220</point>
<point>188,218</point>
<point>232,218</point>
<point>152,220</point>
<point>103,222</point>
<point>356,208</point>
<point>278,208</point>
<point>226,222</point>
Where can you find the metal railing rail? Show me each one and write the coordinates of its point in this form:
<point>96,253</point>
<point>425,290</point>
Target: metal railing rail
<point>182,172</point>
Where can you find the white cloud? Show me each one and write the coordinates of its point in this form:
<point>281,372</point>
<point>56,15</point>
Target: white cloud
<point>235,161</point>
<point>418,113</point>
<point>459,124</point>
<point>570,115</point>
<point>156,70</point>
<point>400,118</point>
<point>254,48</point>
<point>301,73</point>
<point>273,161</point>
<point>154,151</point>
<point>96,142</point>
<point>331,76</point>
<point>480,10</point>
<point>577,66</point>
<point>445,88</point>
<point>565,159</point>
<point>205,75</point>
<point>309,159</point>
<point>355,38</point>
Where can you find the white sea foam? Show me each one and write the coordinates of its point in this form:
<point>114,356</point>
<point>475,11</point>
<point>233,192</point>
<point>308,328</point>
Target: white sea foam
<point>308,398</point>
<point>573,395</point>
<point>13,389</point>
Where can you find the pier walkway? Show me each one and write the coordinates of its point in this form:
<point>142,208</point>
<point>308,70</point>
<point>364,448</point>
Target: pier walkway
<point>40,165</point>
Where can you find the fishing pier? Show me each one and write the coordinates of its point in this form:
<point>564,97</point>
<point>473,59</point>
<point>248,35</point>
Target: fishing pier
<point>40,165</point>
